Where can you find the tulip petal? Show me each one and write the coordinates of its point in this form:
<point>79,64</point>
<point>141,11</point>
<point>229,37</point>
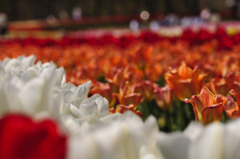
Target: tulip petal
<point>206,96</point>
<point>231,139</point>
<point>197,107</point>
<point>209,145</point>
<point>184,71</point>
<point>176,142</point>
<point>32,96</point>
<point>212,113</point>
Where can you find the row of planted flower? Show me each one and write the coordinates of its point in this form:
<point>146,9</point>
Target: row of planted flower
<point>135,78</point>
<point>226,35</point>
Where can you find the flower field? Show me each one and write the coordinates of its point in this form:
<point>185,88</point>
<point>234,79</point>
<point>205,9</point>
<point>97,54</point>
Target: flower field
<point>150,95</point>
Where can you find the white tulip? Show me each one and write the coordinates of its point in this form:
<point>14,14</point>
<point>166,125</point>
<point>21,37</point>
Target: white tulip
<point>209,144</point>
<point>173,145</point>
<point>214,141</point>
<point>127,137</point>
<point>217,141</point>
<point>26,87</point>
<point>231,140</point>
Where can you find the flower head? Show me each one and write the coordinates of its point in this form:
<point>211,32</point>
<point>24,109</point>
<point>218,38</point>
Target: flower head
<point>21,137</point>
<point>163,97</point>
<point>207,107</point>
<point>185,82</point>
<point>232,105</point>
<point>146,88</point>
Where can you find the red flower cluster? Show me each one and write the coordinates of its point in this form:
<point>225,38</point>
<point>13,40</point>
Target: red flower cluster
<point>188,35</point>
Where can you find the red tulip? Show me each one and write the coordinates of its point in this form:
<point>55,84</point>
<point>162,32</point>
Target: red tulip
<point>23,138</point>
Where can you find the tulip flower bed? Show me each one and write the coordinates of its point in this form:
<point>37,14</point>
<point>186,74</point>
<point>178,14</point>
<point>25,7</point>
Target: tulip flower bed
<point>139,90</point>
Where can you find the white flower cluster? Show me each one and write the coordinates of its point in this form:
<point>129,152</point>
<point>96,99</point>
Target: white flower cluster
<point>40,90</point>
<point>26,87</point>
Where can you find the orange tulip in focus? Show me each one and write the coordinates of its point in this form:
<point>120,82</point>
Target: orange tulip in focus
<point>232,107</point>
<point>185,82</point>
<point>127,96</point>
<point>207,107</point>
<point>163,97</point>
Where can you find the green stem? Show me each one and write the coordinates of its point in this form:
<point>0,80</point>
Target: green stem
<point>168,120</point>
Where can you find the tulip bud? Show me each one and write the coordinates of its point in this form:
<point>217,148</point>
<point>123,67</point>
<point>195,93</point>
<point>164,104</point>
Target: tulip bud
<point>163,97</point>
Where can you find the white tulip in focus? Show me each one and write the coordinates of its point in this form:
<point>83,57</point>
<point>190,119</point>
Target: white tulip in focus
<point>40,90</point>
<point>77,111</point>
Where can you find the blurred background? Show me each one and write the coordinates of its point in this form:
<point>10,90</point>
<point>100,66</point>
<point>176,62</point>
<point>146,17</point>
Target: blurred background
<point>22,15</point>
<point>29,9</point>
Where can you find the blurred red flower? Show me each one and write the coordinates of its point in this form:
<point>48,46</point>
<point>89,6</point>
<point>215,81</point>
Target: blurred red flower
<point>23,138</point>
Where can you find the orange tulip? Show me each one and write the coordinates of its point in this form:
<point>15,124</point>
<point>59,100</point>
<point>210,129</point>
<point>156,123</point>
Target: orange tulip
<point>225,84</point>
<point>185,82</point>
<point>155,71</point>
<point>232,107</point>
<point>163,97</point>
<point>207,107</point>
<point>146,88</point>
<point>218,86</point>
<point>129,75</point>
<point>233,81</point>
<point>127,96</point>
<point>143,56</point>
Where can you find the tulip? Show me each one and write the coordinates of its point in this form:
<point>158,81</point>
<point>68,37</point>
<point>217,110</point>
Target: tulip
<point>115,80</point>
<point>217,140</point>
<point>218,86</point>
<point>163,97</point>
<point>232,107</point>
<point>104,90</point>
<point>185,82</point>
<point>233,81</point>
<point>76,101</point>
<point>225,84</point>
<point>128,96</point>
<point>146,88</point>
<point>30,85</point>
<point>207,107</point>
<point>21,137</point>
<point>125,137</point>
<point>143,56</point>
